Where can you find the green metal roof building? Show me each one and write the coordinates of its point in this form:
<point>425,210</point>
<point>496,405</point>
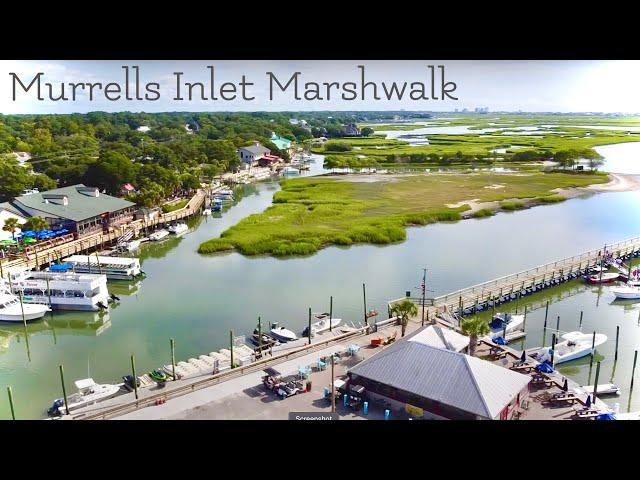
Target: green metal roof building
<point>78,208</point>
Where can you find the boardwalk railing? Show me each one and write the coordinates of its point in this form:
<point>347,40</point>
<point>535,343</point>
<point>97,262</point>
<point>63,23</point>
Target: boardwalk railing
<point>515,283</point>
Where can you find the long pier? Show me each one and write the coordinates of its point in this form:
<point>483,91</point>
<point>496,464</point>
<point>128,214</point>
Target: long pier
<point>485,295</point>
<point>98,240</point>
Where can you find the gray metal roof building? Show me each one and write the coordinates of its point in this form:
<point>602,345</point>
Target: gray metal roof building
<point>451,384</point>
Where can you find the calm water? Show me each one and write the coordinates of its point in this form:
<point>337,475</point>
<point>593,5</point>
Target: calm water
<point>197,299</point>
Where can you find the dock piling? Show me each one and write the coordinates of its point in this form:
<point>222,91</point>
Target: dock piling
<point>595,385</point>
<point>593,348</point>
<point>553,348</point>
<point>330,312</point>
<point>333,386</point>
<point>524,321</point>
<point>558,325</point>
<point>173,358</point>
<point>64,389</point>
<point>231,347</point>
<point>617,337</point>
<point>546,314</point>
<point>309,327</point>
<point>13,412</point>
<point>135,378</point>
<point>580,324</point>
<point>633,369</point>
<point>364,299</point>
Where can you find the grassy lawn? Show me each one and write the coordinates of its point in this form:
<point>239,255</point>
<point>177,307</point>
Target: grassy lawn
<point>311,213</point>
<point>172,207</point>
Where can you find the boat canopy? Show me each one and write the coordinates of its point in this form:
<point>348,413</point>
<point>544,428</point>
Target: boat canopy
<point>85,383</point>
<point>61,267</point>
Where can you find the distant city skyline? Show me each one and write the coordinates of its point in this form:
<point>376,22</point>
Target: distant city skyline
<point>576,86</point>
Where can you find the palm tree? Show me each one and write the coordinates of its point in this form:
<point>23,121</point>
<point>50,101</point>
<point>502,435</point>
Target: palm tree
<point>474,327</point>
<point>36,223</point>
<point>10,225</point>
<point>404,309</point>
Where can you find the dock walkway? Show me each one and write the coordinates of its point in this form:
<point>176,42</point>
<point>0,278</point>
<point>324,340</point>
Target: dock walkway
<point>511,287</point>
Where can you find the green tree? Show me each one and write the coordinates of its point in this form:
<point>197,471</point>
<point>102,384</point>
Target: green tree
<point>35,224</point>
<point>474,327</point>
<point>11,225</point>
<point>14,178</point>
<point>404,310</point>
<point>366,131</point>
<point>110,172</point>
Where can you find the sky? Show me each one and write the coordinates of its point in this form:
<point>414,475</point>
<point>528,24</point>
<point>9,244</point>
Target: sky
<point>531,86</point>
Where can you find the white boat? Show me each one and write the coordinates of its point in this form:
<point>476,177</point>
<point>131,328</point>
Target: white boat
<point>115,268</point>
<point>282,334</point>
<point>603,278</point>
<point>130,246</point>
<point>626,292</point>
<point>178,228</point>
<point>603,389</point>
<point>575,345</point>
<point>12,311</point>
<point>500,321</point>
<point>60,290</point>
<point>322,325</point>
<point>627,416</point>
<point>290,171</point>
<point>206,212</point>
<point>89,392</point>
<point>159,235</point>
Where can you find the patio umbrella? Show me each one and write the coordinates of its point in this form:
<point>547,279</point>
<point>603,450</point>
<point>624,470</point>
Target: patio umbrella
<point>606,416</point>
<point>499,341</point>
<point>544,368</point>
<point>523,357</point>
<point>588,403</point>
<point>565,385</point>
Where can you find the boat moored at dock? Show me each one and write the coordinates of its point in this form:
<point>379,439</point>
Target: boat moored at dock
<point>282,334</point>
<point>504,323</point>
<point>627,292</point>
<point>575,345</point>
<point>322,325</point>
<point>115,268</point>
<point>158,235</point>
<point>60,290</point>
<point>178,229</point>
<point>608,277</point>
<point>12,311</point>
<point>89,393</point>
<point>603,389</point>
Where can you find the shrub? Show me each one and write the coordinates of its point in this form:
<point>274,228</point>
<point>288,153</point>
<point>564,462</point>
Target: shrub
<point>337,147</point>
<point>551,199</point>
<point>512,205</point>
<point>484,212</point>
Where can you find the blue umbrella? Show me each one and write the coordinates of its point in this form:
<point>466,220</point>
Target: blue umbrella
<point>544,368</point>
<point>499,341</point>
<point>606,416</point>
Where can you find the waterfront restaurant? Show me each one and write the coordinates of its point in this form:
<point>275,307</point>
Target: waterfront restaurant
<point>80,209</point>
<point>438,383</point>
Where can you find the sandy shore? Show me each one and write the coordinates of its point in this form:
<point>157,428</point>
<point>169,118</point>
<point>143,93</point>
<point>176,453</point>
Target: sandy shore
<point>618,183</point>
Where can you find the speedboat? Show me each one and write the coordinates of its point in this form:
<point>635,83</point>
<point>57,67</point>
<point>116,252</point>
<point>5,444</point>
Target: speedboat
<point>282,334</point>
<point>178,228</point>
<point>129,246</point>
<point>267,341</point>
<point>502,321</point>
<point>602,278</point>
<point>322,325</point>
<point>575,345</point>
<point>626,292</point>
<point>603,389</point>
<point>12,311</point>
<point>89,392</point>
<point>159,235</point>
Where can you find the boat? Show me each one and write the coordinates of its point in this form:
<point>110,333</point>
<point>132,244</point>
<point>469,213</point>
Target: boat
<point>225,192</point>
<point>290,171</point>
<point>60,290</point>
<point>178,229</point>
<point>12,311</point>
<point>158,376</point>
<point>206,211</point>
<point>603,389</point>
<point>628,416</point>
<point>159,235</point>
<point>130,246</point>
<point>89,392</point>
<point>602,278</point>
<point>626,292</point>
<point>575,345</point>
<point>322,325</point>
<point>115,268</point>
<point>282,334</point>
<point>267,341</point>
<point>500,321</point>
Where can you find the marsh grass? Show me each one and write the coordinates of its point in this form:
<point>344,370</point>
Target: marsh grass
<point>508,205</point>
<point>311,213</point>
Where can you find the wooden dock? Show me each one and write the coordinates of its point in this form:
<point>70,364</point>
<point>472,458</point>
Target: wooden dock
<point>483,296</point>
<point>99,240</point>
